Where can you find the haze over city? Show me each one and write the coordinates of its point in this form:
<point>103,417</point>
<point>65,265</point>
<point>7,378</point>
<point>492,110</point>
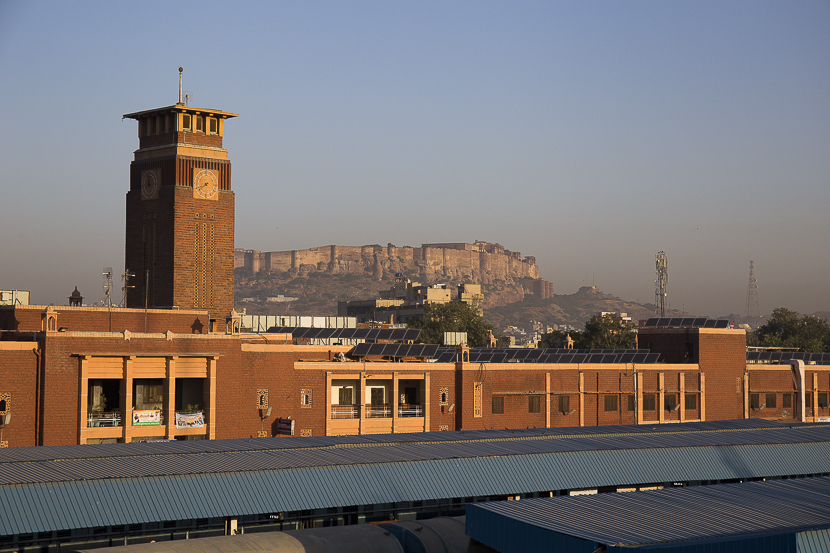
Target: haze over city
<point>588,135</point>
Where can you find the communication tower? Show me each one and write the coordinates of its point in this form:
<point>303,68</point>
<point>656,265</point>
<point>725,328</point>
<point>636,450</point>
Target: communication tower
<point>752,309</point>
<point>660,284</point>
<point>107,286</point>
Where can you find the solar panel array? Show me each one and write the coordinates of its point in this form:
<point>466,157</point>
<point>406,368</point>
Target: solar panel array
<point>773,357</point>
<point>397,351</point>
<point>550,355</point>
<point>685,322</point>
<point>366,334</point>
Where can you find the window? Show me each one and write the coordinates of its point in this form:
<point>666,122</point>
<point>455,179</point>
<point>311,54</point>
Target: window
<point>533,404</point>
<point>822,400</point>
<point>808,400</point>
<point>148,393</point>
<point>498,405</point>
<point>262,399</point>
<point>200,123</point>
<point>305,397</point>
<point>631,403</point>
<point>754,401</point>
<point>443,395</point>
<point>787,401</point>
<point>345,396</point>
<point>214,126</point>
<point>186,122</point>
<point>771,401</point>
<point>610,403</point>
<point>564,404</point>
<point>649,403</point>
<point>670,402</point>
<point>691,402</point>
<point>5,403</point>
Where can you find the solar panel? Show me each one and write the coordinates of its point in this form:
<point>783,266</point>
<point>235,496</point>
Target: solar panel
<point>626,357</point>
<point>554,358</point>
<point>384,334</point>
<point>710,323</point>
<point>685,321</point>
<point>700,321</point>
<point>360,350</point>
<point>499,357</point>
<point>360,333</point>
<point>429,350</point>
<point>663,321</point>
<point>580,358</point>
<point>397,350</point>
<point>652,358</point>
<point>376,349</point>
<point>753,355</point>
<point>651,322</point>
<point>722,324</point>
<point>611,358</point>
<point>639,358</point>
<point>675,321</point>
<point>484,357</point>
<point>411,334</point>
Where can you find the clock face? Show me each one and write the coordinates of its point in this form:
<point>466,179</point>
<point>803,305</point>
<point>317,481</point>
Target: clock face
<point>149,185</point>
<point>205,184</point>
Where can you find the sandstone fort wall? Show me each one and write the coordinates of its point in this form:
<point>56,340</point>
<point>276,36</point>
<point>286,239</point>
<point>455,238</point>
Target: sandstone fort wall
<point>481,262</point>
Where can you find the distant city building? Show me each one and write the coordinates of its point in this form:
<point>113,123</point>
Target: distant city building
<point>406,300</point>
<point>14,297</point>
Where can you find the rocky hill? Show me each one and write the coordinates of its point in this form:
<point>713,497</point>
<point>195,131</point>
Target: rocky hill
<point>320,277</point>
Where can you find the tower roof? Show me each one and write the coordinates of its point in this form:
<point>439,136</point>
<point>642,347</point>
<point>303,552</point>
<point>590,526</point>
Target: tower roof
<point>180,108</point>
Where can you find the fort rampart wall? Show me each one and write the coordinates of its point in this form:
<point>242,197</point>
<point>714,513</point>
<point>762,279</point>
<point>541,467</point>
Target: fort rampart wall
<point>481,262</point>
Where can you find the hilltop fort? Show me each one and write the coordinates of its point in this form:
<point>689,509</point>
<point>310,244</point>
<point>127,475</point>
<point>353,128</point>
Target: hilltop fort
<point>479,262</point>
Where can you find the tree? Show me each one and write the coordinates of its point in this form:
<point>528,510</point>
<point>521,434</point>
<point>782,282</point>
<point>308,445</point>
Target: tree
<point>454,316</point>
<point>607,332</point>
<point>785,328</point>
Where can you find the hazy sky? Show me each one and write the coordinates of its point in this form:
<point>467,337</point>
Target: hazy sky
<point>589,134</point>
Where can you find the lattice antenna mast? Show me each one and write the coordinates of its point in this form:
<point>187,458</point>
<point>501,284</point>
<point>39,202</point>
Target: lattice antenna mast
<point>752,309</point>
<point>107,286</point>
<point>660,284</point>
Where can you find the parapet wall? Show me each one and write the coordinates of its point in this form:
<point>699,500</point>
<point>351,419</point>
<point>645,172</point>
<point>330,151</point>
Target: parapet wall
<point>480,262</point>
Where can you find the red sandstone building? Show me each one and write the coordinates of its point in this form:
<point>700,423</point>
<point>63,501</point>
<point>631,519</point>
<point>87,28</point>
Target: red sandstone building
<point>176,364</point>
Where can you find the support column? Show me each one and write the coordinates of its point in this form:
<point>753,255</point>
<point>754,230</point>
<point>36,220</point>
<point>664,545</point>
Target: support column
<point>702,397</point>
<point>661,398</point>
<point>639,398</point>
<point>582,399</point>
<point>746,394</point>
<point>328,403</point>
<point>427,400</point>
<point>84,395</point>
<point>211,397</point>
<point>395,401</point>
<point>170,398</point>
<point>547,400</point>
<point>362,399</point>
<point>814,397</point>
<point>682,396</point>
<point>127,397</point>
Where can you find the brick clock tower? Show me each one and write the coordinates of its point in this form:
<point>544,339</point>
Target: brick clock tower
<point>180,211</point>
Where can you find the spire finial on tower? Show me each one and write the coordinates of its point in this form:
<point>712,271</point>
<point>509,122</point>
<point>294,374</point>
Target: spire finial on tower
<point>181,70</point>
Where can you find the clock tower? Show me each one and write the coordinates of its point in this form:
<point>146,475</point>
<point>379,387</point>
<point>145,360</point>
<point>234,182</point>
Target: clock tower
<point>180,211</point>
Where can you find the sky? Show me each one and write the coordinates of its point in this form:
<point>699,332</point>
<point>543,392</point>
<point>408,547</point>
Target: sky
<point>590,135</point>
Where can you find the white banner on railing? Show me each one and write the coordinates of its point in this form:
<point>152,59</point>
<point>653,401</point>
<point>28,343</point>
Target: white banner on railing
<point>190,420</point>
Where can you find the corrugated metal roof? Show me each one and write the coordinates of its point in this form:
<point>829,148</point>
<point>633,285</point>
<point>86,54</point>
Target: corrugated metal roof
<point>152,484</point>
<point>33,465</point>
<point>678,517</point>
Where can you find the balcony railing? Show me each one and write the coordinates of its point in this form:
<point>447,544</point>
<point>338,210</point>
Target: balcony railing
<point>378,410</point>
<point>410,410</point>
<point>345,411</point>
<point>105,419</point>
